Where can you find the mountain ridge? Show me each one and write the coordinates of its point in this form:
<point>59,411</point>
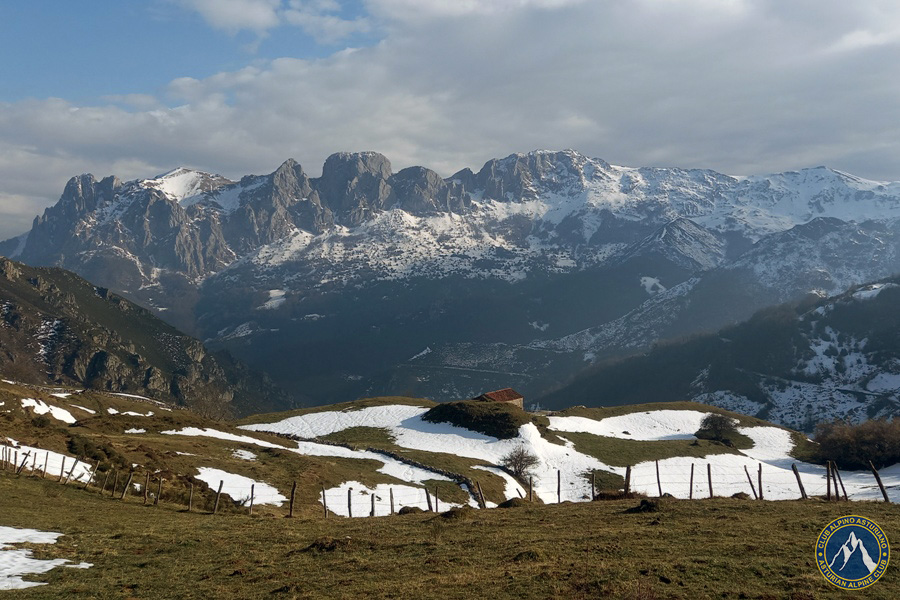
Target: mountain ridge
<point>517,260</point>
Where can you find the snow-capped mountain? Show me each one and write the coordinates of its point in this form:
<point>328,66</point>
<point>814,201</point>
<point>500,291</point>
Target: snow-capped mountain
<point>528,267</point>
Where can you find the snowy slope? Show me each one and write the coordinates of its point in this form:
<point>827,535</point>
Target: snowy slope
<point>772,447</point>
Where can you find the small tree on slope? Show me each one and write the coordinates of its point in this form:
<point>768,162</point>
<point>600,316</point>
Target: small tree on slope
<point>717,427</point>
<point>520,461</point>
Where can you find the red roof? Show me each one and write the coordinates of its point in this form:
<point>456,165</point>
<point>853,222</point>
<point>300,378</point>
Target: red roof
<point>504,395</point>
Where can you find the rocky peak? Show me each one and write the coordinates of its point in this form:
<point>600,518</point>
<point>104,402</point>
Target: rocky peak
<point>422,191</point>
<point>355,185</point>
<point>526,176</point>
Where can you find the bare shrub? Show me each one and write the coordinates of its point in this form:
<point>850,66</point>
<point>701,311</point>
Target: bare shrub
<point>853,446</point>
<point>520,461</point>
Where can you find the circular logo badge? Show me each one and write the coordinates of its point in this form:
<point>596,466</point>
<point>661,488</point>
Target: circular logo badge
<point>852,552</point>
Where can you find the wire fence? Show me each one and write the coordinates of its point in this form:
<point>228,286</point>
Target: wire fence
<point>704,480</point>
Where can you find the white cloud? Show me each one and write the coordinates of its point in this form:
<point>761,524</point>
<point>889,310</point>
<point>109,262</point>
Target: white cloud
<point>739,86</point>
<point>235,15</point>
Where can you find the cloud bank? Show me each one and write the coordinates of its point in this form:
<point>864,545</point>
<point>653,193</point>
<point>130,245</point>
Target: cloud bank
<point>739,86</point>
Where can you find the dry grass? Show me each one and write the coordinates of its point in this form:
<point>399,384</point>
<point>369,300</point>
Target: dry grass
<point>721,548</point>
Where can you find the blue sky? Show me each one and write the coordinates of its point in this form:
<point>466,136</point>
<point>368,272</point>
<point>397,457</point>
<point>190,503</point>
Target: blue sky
<point>87,50</point>
<point>136,88</point>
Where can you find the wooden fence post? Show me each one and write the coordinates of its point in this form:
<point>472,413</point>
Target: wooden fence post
<point>252,494</point>
<point>878,479</point>
<point>105,481</point>
<point>391,492</point>
<point>372,498</point>
<point>115,484</point>
<point>627,480</point>
<point>127,483</point>
<point>530,488</point>
<point>691,492</point>
<point>218,493</point>
<point>750,479</point>
<point>158,492</point>
<point>147,488</point>
<point>428,500</point>
<point>437,503</point>
<point>709,477</point>
<point>62,469</point>
<point>72,470</point>
<point>91,474</point>
<point>828,479</point>
<point>481,495</point>
<point>593,484</point>
<point>350,502</point>
<point>191,499</point>
<point>558,486</point>
<point>324,502</point>
<point>44,472</point>
<point>658,482</point>
<point>799,482</point>
<point>840,480</point>
<point>24,462</point>
<point>760,481</point>
<point>293,493</point>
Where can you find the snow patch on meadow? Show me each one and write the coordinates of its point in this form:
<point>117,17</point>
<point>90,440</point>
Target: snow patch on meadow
<point>16,562</point>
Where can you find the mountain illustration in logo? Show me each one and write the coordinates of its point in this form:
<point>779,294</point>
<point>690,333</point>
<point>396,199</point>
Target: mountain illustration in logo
<point>849,549</point>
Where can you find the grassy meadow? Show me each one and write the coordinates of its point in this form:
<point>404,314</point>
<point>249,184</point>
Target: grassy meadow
<point>721,548</point>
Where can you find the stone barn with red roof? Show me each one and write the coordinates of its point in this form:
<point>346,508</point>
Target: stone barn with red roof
<point>505,395</point>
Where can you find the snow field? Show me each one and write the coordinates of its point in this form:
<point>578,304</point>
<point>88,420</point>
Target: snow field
<point>410,431</point>
<point>239,487</point>
<point>17,562</point>
<point>42,408</point>
<point>772,447</point>
<point>653,425</point>
<point>360,498</point>
<point>54,460</point>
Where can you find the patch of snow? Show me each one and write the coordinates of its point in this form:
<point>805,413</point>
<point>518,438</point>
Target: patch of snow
<point>41,408</point>
<point>54,460</point>
<point>652,285</point>
<point>15,562</point>
<point>112,411</point>
<point>276,299</point>
<point>87,410</point>
<point>222,435</point>
<point>360,497</point>
<point>424,352</point>
<point>539,326</point>
<point>243,454</point>
<point>132,396</point>
<point>513,489</point>
<point>884,382</point>
<point>61,395</point>
<point>238,487</point>
<point>135,430</point>
<point>645,426</point>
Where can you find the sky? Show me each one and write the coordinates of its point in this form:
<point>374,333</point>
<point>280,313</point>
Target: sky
<point>135,88</point>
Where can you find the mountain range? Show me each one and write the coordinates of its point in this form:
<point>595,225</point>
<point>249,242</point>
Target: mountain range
<point>365,281</point>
